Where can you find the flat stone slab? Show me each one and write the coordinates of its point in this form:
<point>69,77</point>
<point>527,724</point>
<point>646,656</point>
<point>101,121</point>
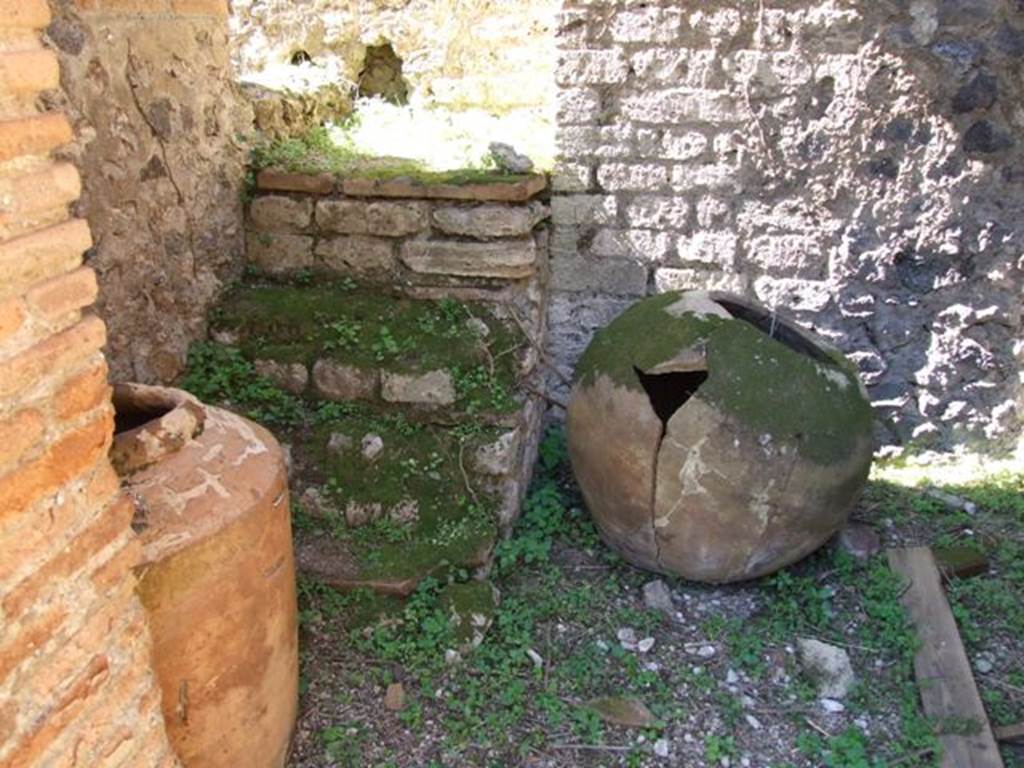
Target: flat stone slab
<point>340,382</point>
<point>431,388</point>
<point>332,562</point>
<point>284,181</point>
<point>279,253</point>
<point>278,212</point>
<point>488,221</point>
<point>510,192</point>
<point>509,259</point>
<point>357,217</point>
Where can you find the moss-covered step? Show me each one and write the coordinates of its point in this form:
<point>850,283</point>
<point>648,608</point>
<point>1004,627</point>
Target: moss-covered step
<point>385,502</point>
<point>338,341</point>
<point>379,500</point>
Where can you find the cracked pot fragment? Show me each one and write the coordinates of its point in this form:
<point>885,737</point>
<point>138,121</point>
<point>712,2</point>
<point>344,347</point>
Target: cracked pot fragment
<point>714,439</point>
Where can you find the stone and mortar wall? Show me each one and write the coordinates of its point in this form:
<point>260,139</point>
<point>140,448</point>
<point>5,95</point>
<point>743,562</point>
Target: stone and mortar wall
<point>147,85</point>
<point>76,686</point>
<point>491,54</point>
<point>475,243</point>
<point>858,163</point>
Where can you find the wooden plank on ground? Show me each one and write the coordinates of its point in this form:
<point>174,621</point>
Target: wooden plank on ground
<point>944,677</point>
<point>1012,734</point>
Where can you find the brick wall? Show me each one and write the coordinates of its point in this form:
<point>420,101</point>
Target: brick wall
<point>147,88</point>
<point>858,163</point>
<point>75,680</point>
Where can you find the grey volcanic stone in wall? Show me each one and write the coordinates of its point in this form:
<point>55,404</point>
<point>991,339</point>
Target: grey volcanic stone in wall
<point>646,244</point>
<point>279,253</point>
<point>510,259</point>
<point>277,213</point>
<point>591,67</point>
<point>685,145</point>
<point>571,177</point>
<point>884,211</point>
<point>614,276</point>
<point>657,212</point>
<point>357,256</point>
<point>795,295</point>
<point>787,255</point>
<point>584,209</point>
<point>648,25</point>
<point>356,217</point>
<point>434,388</point>
<point>335,381</point>
<point>578,105</point>
<point>638,177</point>
<point>671,279</point>
<point>717,248</point>
<point>486,221</point>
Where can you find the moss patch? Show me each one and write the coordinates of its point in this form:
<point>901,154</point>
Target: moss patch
<point>370,329</point>
<point>315,152</point>
<point>427,515</point>
<point>427,511</point>
<point>470,606</point>
<point>751,376</point>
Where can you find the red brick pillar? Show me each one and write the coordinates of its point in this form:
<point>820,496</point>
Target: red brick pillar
<point>76,686</point>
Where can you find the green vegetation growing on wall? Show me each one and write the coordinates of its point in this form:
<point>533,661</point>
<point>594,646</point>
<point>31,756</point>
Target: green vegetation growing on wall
<point>318,151</point>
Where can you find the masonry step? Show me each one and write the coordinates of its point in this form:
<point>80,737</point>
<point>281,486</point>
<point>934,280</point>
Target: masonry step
<point>382,503</point>
<point>334,340</point>
<point>409,430</point>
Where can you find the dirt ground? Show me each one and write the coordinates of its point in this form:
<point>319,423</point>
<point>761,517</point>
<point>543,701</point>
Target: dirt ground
<point>713,679</point>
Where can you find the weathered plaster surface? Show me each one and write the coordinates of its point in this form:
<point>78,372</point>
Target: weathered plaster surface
<point>859,163</point>
<point>490,54</point>
<point>157,127</point>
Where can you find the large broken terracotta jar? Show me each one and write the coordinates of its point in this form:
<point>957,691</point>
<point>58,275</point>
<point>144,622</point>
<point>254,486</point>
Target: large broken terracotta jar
<point>216,574</point>
<point>715,440</point>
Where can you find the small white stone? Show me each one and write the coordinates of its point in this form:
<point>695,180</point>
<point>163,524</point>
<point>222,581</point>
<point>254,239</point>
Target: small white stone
<point>753,722</point>
<point>983,665</point>
<point>828,666</point>
<point>452,657</point>
<point>658,597</point>
<point>706,651</point>
<point>536,658</point>
<point>661,748</point>
<point>627,638</point>
<point>372,445</point>
<point>645,645</point>
<point>731,678</point>
<point>832,706</point>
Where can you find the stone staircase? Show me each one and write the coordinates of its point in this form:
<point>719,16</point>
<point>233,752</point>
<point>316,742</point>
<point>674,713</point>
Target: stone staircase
<point>409,365</point>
